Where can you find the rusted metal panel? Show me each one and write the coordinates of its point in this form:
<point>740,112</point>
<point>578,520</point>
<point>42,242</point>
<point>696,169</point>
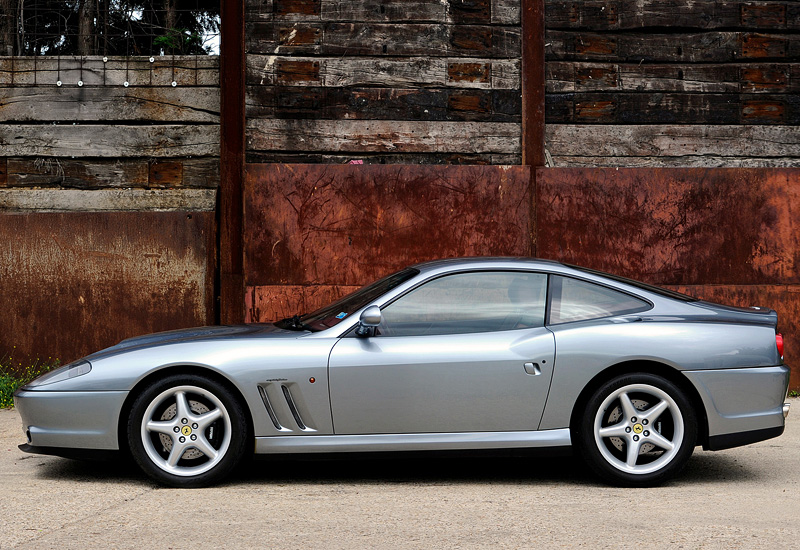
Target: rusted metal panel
<point>674,226</point>
<point>272,302</point>
<point>785,299</point>
<point>348,225</point>
<point>72,283</point>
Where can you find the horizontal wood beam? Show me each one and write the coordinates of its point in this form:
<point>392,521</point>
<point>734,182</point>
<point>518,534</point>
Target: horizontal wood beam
<point>383,136</point>
<point>45,103</point>
<point>426,72</point>
<point>107,200</point>
<point>197,172</point>
<point>93,71</point>
<point>100,140</point>
<point>570,140</point>
<point>499,12</point>
<point>753,77</point>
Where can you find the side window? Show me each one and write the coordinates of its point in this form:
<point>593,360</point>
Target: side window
<point>576,300</point>
<point>468,302</point>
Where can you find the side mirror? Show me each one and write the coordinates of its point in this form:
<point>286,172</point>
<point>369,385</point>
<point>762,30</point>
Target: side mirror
<point>369,320</point>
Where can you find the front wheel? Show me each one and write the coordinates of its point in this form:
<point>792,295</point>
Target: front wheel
<point>637,430</point>
<point>187,431</point>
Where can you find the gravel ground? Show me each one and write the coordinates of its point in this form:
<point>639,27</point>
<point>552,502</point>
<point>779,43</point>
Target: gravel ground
<point>740,498</point>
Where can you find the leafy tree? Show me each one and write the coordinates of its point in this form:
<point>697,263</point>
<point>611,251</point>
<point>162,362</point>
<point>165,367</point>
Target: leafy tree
<point>107,27</point>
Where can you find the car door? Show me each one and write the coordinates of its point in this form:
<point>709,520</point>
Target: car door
<point>466,352</point>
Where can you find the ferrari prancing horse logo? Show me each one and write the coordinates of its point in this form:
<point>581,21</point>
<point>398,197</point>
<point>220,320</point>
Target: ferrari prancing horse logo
<point>638,428</point>
<point>186,430</point>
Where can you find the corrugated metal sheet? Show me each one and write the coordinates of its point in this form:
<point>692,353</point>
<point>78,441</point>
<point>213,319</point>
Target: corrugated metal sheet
<point>73,283</point>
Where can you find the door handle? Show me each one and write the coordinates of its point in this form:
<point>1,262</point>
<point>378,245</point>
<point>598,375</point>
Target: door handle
<point>533,369</point>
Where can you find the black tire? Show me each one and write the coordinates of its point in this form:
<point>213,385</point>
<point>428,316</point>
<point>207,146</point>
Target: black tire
<point>646,446</point>
<point>187,430</point>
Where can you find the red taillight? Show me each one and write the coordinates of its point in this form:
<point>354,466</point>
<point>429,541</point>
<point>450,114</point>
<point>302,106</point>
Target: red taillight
<point>779,343</point>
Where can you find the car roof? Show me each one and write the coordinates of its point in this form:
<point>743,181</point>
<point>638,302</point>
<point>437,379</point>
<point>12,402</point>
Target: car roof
<point>487,261</point>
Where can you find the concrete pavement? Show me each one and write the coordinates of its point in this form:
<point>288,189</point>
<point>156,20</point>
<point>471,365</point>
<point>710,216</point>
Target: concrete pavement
<point>740,498</point>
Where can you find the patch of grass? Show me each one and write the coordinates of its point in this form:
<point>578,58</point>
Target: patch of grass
<point>14,374</point>
<point>794,393</point>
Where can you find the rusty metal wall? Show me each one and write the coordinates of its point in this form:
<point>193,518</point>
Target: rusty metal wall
<point>314,232</point>
<point>727,235</point>
<point>73,283</point>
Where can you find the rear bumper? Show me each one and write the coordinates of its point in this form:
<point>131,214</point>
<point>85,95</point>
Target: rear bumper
<point>742,405</point>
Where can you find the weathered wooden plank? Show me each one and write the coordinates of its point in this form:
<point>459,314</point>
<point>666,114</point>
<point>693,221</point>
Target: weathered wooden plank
<point>278,157</point>
<point>377,39</point>
<point>383,136</point>
<point>672,108</point>
<point>258,10</point>
<point>673,141</point>
<point>705,161</point>
<point>425,72</point>
<point>3,171</point>
<point>506,12</point>
<point>567,76</point>
<point>100,140</point>
<point>198,172</point>
<point>383,103</point>
<point>706,47</point>
<point>107,200</point>
<point>160,104</point>
<point>395,11</point>
<point>685,14</point>
<point>296,9</point>
<point>65,172</point>
<point>93,71</point>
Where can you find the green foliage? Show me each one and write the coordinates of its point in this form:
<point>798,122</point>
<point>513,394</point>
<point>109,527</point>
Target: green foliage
<point>179,41</point>
<point>14,374</point>
<point>794,393</point>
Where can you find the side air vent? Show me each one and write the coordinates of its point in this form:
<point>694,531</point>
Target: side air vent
<point>292,408</point>
<point>282,407</point>
<point>270,411</point>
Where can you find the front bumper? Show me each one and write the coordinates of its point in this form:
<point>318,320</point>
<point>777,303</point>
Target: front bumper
<point>70,420</point>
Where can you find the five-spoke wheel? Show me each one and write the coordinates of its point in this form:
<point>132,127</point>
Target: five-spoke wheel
<point>187,431</point>
<point>637,430</point>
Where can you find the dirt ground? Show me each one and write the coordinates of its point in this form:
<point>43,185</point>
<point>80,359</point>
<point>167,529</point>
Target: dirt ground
<point>740,498</point>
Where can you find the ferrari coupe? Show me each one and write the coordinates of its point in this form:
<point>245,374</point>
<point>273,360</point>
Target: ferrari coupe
<point>468,354</point>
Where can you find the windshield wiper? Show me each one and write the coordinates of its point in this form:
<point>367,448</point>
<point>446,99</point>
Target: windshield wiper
<point>293,323</point>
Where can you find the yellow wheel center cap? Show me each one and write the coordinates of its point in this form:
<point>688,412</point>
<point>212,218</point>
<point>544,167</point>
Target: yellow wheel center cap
<point>638,428</point>
<point>187,430</point>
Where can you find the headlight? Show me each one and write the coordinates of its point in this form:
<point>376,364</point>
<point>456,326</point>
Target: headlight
<point>66,372</point>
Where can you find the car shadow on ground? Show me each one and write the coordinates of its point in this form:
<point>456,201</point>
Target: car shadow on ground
<point>703,468</point>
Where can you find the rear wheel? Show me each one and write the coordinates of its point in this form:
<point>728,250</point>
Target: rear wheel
<point>187,431</point>
<point>637,430</point>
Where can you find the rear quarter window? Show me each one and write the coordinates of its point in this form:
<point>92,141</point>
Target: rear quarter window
<point>576,300</point>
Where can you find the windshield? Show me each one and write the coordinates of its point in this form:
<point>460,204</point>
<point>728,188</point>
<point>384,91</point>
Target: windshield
<point>334,313</point>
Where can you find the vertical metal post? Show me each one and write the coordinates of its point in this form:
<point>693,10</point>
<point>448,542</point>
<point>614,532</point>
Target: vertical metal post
<point>232,123</point>
<point>533,88</point>
<point>533,82</point>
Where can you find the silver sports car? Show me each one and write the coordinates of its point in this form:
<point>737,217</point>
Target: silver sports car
<point>449,355</point>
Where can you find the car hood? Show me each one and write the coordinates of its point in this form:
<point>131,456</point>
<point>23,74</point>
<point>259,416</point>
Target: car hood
<point>197,334</point>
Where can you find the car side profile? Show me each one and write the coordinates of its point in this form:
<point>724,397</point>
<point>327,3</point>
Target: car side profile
<point>459,354</point>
